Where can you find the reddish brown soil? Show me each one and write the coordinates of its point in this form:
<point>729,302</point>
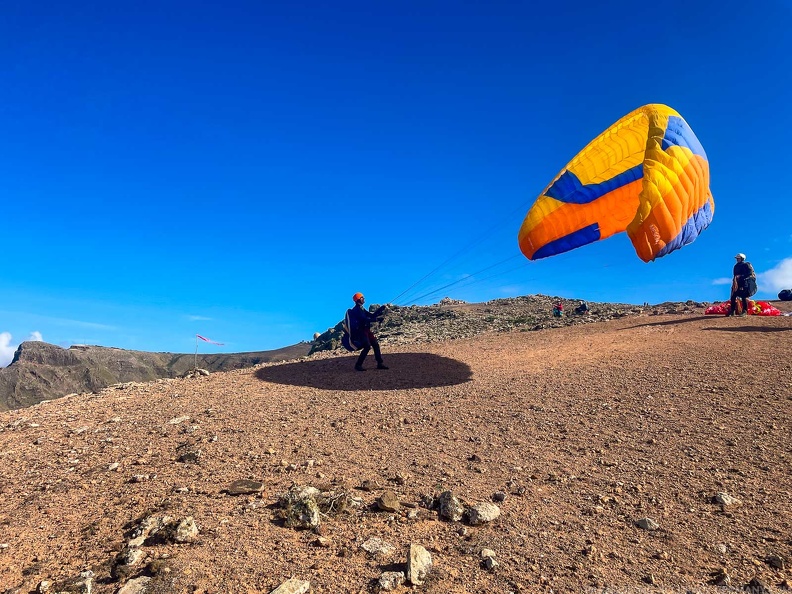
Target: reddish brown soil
<point>587,429</point>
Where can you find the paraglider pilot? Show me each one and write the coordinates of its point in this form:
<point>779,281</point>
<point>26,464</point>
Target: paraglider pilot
<point>360,331</point>
<point>743,274</point>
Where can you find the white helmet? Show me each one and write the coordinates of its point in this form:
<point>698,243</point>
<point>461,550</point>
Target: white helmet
<point>740,256</point>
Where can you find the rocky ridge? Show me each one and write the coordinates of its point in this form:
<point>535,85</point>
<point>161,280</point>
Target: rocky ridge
<point>452,319</point>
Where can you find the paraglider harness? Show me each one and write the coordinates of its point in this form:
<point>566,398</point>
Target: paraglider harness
<point>749,287</point>
<point>346,334</point>
<point>350,330</point>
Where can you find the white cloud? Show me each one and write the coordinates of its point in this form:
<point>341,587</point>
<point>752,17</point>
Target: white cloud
<point>722,281</point>
<point>777,278</point>
<point>7,349</point>
<point>198,319</point>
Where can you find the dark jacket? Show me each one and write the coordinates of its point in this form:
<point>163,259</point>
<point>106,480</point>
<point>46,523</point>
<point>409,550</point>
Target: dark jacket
<point>743,270</point>
<point>744,279</point>
<point>360,319</point>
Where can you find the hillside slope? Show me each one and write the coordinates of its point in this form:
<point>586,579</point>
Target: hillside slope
<point>577,434</point>
<point>42,371</point>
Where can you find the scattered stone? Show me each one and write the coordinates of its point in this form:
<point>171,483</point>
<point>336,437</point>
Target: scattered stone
<point>244,487</point>
<point>113,466</point>
<point>376,547</point>
<point>419,564</point>
<point>369,486</point>
<point>499,496</point>
<point>164,529</point>
<point>388,502</point>
<point>390,580</point>
<point>300,509</point>
<point>190,457</point>
<point>292,586</point>
<point>43,586</point>
<point>481,513</point>
<point>490,563</point>
<point>450,507</point>
<point>720,578</point>
<point>185,531</point>
<point>135,586</point>
<point>777,562</point>
<point>647,524</point>
<point>757,586</point>
<point>488,559</point>
<point>429,502</point>
<point>82,584</point>
<point>130,555</point>
<point>178,420</point>
<point>725,499</point>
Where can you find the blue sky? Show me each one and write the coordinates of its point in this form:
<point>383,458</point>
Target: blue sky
<point>240,169</point>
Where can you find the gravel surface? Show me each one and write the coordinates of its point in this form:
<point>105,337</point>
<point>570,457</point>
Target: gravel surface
<point>647,453</point>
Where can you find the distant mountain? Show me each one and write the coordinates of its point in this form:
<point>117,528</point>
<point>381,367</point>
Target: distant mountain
<point>42,371</point>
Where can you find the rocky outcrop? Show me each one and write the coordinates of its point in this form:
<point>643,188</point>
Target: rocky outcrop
<point>42,371</point>
<point>451,319</point>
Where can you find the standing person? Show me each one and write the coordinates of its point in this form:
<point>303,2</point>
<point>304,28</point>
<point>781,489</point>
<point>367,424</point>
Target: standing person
<point>743,285</point>
<point>360,331</point>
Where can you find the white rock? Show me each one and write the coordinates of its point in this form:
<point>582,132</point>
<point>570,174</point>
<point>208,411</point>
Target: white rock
<point>186,531</point>
<point>726,499</point>
<point>136,586</point>
<point>419,564</point>
<point>292,586</point>
<point>481,513</point>
<point>390,580</point>
<point>377,547</point>
<point>647,524</point>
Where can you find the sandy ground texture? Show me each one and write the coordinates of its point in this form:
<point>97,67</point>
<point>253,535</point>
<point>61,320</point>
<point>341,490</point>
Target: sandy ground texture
<point>644,454</point>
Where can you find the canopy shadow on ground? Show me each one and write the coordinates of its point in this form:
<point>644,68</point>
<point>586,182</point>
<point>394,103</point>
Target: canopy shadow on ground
<point>748,329</point>
<point>669,322</point>
<point>407,371</point>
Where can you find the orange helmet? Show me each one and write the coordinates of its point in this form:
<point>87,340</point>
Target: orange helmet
<point>356,296</point>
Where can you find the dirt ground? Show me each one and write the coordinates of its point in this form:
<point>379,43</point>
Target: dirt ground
<point>575,433</point>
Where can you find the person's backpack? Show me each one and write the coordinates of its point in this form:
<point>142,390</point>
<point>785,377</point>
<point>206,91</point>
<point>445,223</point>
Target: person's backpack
<point>785,295</point>
<point>750,286</point>
<point>346,334</point>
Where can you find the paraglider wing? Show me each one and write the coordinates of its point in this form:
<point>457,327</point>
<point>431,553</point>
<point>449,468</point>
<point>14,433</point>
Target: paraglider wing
<point>647,175</point>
